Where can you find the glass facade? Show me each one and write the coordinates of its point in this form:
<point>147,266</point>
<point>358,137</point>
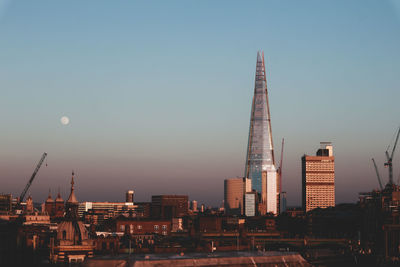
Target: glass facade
<point>260,152</point>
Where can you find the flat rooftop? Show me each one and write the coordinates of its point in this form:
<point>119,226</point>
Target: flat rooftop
<point>230,258</point>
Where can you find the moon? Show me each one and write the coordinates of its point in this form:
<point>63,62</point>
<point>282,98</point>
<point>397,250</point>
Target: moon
<point>64,120</point>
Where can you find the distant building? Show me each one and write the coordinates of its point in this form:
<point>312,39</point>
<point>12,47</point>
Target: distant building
<point>318,179</point>
<point>194,206</point>
<point>234,190</point>
<point>177,224</point>
<point>260,151</point>
<point>54,208</point>
<point>129,196</point>
<point>210,224</point>
<point>283,202</point>
<point>59,206</point>
<point>169,206</point>
<point>380,226</point>
<point>202,208</point>
<point>29,205</point>
<point>132,226</point>
<point>250,201</point>
<point>49,205</point>
<point>5,203</point>
<point>143,209</point>
<point>72,243</point>
<point>105,210</point>
<point>295,212</point>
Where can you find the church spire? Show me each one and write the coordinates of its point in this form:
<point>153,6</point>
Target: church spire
<point>72,198</point>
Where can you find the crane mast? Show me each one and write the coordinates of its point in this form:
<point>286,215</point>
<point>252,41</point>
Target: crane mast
<point>390,158</point>
<point>22,196</point>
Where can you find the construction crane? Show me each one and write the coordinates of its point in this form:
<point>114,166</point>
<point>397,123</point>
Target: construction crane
<point>390,158</point>
<point>22,196</point>
<point>377,174</point>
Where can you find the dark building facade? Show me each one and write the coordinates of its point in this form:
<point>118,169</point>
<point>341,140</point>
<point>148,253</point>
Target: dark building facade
<point>169,206</point>
<point>380,227</point>
<point>5,203</point>
<point>132,226</point>
<point>143,209</point>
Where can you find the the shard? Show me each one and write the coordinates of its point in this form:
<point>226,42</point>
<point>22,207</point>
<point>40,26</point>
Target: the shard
<point>260,151</point>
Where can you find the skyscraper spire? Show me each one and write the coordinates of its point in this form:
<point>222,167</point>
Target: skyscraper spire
<point>260,152</point>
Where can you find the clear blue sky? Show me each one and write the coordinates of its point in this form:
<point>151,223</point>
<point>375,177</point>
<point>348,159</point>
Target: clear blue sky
<point>159,92</point>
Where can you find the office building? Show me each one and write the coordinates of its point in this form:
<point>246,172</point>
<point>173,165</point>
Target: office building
<point>318,179</point>
<point>234,190</point>
<point>169,206</point>
<point>250,203</point>
<point>260,151</point>
<point>129,196</point>
<point>143,209</point>
<point>105,210</point>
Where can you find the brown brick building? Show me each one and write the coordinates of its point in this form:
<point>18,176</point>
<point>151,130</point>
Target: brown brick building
<point>169,206</point>
<point>144,226</point>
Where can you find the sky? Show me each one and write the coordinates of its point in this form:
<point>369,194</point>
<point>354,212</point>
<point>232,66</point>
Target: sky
<point>159,93</point>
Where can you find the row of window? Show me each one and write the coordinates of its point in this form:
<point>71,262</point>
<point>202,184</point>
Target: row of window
<point>139,227</point>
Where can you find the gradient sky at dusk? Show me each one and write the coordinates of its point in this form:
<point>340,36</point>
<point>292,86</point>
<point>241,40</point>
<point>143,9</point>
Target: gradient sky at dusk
<point>159,92</point>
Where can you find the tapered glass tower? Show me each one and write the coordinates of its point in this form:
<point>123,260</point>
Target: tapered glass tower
<point>260,151</point>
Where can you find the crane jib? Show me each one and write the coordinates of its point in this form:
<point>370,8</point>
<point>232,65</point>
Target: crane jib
<point>22,196</point>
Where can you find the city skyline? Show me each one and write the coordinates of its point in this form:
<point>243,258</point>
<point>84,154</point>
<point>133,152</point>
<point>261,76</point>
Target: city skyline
<point>162,106</point>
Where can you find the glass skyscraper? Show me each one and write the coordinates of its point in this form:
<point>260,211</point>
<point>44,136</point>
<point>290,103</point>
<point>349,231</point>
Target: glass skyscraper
<point>260,151</point>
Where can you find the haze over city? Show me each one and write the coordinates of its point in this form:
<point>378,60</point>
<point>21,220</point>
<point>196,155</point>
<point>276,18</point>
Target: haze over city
<point>159,94</point>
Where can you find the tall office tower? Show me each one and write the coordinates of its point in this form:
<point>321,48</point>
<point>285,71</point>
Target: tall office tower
<point>260,151</point>
<point>234,190</point>
<point>129,196</point>
<point>318,178</point>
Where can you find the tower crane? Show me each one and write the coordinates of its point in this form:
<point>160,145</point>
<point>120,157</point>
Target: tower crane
<point>390,158</point>
<point>21,197</point>
<point>377,174</point>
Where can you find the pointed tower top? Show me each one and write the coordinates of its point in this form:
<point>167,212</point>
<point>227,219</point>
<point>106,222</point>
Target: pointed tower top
<point>72,198</point>
<point>49,199</point>
<point>59,198</point>
<point>260,55</point>
<point>260,150</point>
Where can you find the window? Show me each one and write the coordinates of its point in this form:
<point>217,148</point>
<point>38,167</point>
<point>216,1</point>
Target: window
<point>164,227</point>
<point>122,228</point>
<point>139,227</point>
<point>64,234</point>
<point>164,232</point>
<point>156,227</point>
